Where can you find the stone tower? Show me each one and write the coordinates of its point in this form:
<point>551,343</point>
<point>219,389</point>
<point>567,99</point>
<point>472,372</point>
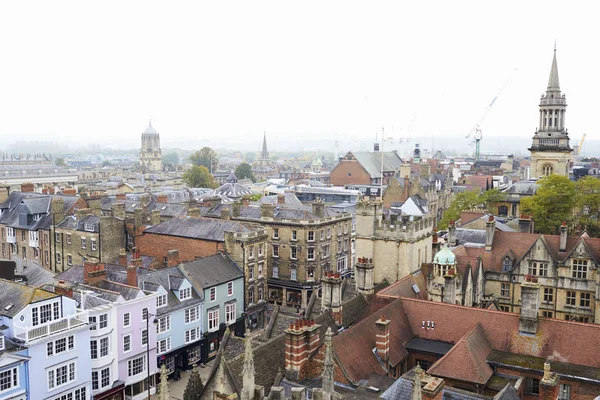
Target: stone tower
<point>150,155</point>
<point>550,151</point>
<point>264,154</point>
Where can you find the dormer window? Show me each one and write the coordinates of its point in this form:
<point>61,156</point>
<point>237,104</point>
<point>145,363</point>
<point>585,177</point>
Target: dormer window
<point>161,300</point>
<point>185,294</point>
<point>506,265</point>
<point>580,269</point>
<point>37,217</point>
<point>88,227</point>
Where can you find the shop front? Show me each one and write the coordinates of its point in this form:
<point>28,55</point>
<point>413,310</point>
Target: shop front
<point>117,392</point>
<point>183,358</point>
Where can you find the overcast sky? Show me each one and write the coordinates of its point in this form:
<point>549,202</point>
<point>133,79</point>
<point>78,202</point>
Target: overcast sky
<point>84,72</point>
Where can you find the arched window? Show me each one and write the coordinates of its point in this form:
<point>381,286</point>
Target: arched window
<point>547,169</point>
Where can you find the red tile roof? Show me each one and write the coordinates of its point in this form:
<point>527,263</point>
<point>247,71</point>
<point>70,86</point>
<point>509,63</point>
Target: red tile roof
<point>404,287</point>
<point>466,361</point>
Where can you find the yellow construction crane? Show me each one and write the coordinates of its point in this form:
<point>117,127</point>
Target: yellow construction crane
<point>580,145</point>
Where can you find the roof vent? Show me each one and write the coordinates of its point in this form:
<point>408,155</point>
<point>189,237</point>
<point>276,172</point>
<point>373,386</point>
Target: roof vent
<point>415,288</point>
<point>9,306</point>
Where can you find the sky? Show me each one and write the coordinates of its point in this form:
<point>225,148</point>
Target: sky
<point>223,72</point>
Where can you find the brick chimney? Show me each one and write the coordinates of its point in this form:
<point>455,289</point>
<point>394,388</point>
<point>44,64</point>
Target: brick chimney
<point>123,257</point>
<point>563,238</point>
<point>118,210</point>
<point>550,384</point>
<point>93,273</point>
<point>132,275</point>
<point>364,276</point>
<point>332,295</point>
<point>225,214</point>
<point>27,187</point>
<point>525,225</point>
<point>235,211</point>
<point>63,288</point>
<point>245,202</point>
<point>530,304</point>
<point>281,199</point>
<point>172,258</point>
<point>162,198</point>
<point>450,287</point>
<point>138,214</point>
<point>318,208</point>
<point>267,210</point>
<point>57,208</point>
<point>193,213</point>
<point>136,258</point>
<point>406,187</point>
<point>121,196</point>
<point>301,338</point>
<point>81,213</point>
<point>155,217</point>
<point>490,228</point>
<point>382,339</point>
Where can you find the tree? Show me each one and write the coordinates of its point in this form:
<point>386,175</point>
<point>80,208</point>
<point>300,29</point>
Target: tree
<point>491,198</point>
<point>106,163</point>
<point>198,176</point>
<point>60,162</point>
<point>206,157</point>
<point>588,204</point>
<point>463,201</point>
<point>171,158</point>
<point>244,171</point>
<point>552,204</point>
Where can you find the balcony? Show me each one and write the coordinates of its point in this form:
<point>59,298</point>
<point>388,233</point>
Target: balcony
<point>64,324</point>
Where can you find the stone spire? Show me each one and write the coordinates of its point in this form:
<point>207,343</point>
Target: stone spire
<point>264,153</point>
<point>328,367</point>
<point>194,386</point>
<point>553,83</point>
<point>416,394</point>
<point>164,386</point>
<point>248,372</point>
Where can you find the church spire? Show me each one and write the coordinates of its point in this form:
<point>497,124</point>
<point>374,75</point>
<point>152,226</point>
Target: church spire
<point>248,373</point>
<point>553,83</point>
<point>265,153</point>
<point>328,367</point>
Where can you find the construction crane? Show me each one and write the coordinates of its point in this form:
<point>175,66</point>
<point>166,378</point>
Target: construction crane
<point>580,145</point>
<point>476,130</point>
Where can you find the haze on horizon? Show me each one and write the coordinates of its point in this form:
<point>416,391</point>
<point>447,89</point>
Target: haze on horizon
<point>80,73</point>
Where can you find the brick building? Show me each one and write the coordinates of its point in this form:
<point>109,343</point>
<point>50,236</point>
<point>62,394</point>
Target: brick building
<point>365,168</point>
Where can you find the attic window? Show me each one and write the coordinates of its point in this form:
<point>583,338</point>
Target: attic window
<point>9,306</point>
<point>88,227</point>
<point>506,265</point>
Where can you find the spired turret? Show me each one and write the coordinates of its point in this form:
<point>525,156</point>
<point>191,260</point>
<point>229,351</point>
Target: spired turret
<point>150,153</point>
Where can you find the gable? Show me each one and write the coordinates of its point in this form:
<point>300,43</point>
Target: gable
<point>9,359</point>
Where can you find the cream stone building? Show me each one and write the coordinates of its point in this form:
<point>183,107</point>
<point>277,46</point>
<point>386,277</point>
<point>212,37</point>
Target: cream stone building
<point>150,154</point>
<point>550,150</point>
<point>397,244</point>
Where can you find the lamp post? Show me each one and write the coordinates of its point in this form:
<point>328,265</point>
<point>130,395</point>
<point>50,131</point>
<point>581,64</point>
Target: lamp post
<point>154,321</point>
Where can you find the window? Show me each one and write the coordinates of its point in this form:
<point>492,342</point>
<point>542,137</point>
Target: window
<point>77,394</point>
<point>144,337</point>
<point>191,335</point>
<point>251,295</point>
<point>293,274</point>
<point>261,293</point>
<point>58,260</point>
<point>505,308</point>
<point>532,268</point>
<point>322,234</point>
<point>185,294</point>
<point>24,252</point>
<point>193,355</point>
<point>60,346</point>
<point>161,300</point>
<point>294,235</point>
<point>22,235</point>
<point>571,298</point>
<point>103,321</point>
<point>584,300</point>
<point>328,233</point>
<point>341,264</point>
<point>275,250</point>
<point>339,229</point>
<point>2,344</point>
<point>311,236</point>
<point>10,232</point>
<point>93,241</point>
<point>163,345</point>
<point>165,262</point>
<point>61,376</point>
<point>275,233</point>
<point>311,253</point>
<point>564,392</point>
<point>424,364</point>
<point>293,253</point>
<point>580,269</point>
<point>230,313</point>
<point>126,343</point>
<point>164,324</point>
<point>213,294</point>
<point>33,236</point>
<point>92,321</point>
<point>310,273</point>
<point>9,379</point>
<point>346,227</point>
<point>213,320</point>
<point>250,271</point>
<point>45,313</point>
<point>505,290</point>
<point>260,249</point>
<point>533,386</point>
<point>136,366</point>
<point>83,243</point>
<point>251,252</point>
<point>229,288</point>
<point>548,295</point>
<point>339,246</point>
<point>36,252</point>
<point>261,266</point>
<point>68,238</point>
<point>543,269</point>
<point>577,318</point>
<point>100,379</point>
<point>69,259</point>
<point>126,320</point>
<point>325,251</point>
<point>144,314</point>
<point>547,314</point>
<point>88,227</point>
<point>275,271</point>
<point>103,347</point>
<point>56,236</point>
<point>192,314</point>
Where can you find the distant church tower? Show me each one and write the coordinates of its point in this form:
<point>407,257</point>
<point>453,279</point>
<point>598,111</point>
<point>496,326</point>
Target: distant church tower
<point>260,166</point>
<point>150,155</point>
<point>550,151</point>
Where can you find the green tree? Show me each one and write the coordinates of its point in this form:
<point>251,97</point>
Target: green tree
<point>60,162</point>
<point>552,204</point>
<point>171,158</point>
<point>206,157</point>
<point>199,177</point>
<point>244,171</point>
<point>588,204</point>
<point>463,201</point>
<point>106,163</point>
<point>491,198</point>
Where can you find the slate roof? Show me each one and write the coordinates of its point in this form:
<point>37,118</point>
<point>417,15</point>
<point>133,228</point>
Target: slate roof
<point>19,296</point>
<point>197,228</point>
<point>371,161</point>
<point>36,275</point>
<point>429,346</point>
<point>212,271</point>
<point>290,199</point>
<point>284,211</point>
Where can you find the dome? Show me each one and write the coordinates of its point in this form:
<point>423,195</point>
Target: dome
<point>150,130</point>
<point>444,257</point>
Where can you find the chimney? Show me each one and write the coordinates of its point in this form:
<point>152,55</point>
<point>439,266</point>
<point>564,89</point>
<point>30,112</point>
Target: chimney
<point>63,289</point>
<point>563,237</point>
<point>550,384</point>
<point>406,187</point>
<point>121,196</point>
<point>162,198</point>
<point>132,275</point>
<point>452,234</point>
<point>123,257</point>
<point>281,199</point>
<point>332,295</point>
<point>382,339</point>
<point>27,187</point>
<point>364,276</point>
<point>490,228</point>
<point>530,304</point>
<point>450,287</point>
<point>136,258</point>
<point>318,208</point>
<point>137,219</point>
<point>405,169</point>
<point>93,273</point>
<point>235,212</point>
<point>57,208</point>
<point>267,210</point>
<point>4,192</point>
<point>81,213</point>
<point>301,338</point>
<point>525,224</point>
<point>118,210</point>
<point>424,170</point>
<point>225,214</point>
<point>194,213</point>
<point>155,217</point>
<point>172,258</point>
<point>245,202</point>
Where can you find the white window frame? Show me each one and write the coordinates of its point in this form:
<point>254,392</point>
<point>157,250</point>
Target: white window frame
<point>230,313</point>
<point>93,243</point>
<point>213,294</point>
<point>13,379</point>
<point>276,250</point>
<point>163,346</point>
<point>192,314</point>
<point>126,318</point>
<point>53,346</point>
<point>192,335</point>
<point>161,301</point>
<point>213,320</point>
<point>83,243</point>
<point>275,270</point>
<point>164,324</point>
<point>229,289</point>
<point>142,337</point>
<point>52,375</point>
<point>131,366</point>
<point>103,320</point>
<point>185,293</point>
<point>125,349</point>
<point>275,233</point>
